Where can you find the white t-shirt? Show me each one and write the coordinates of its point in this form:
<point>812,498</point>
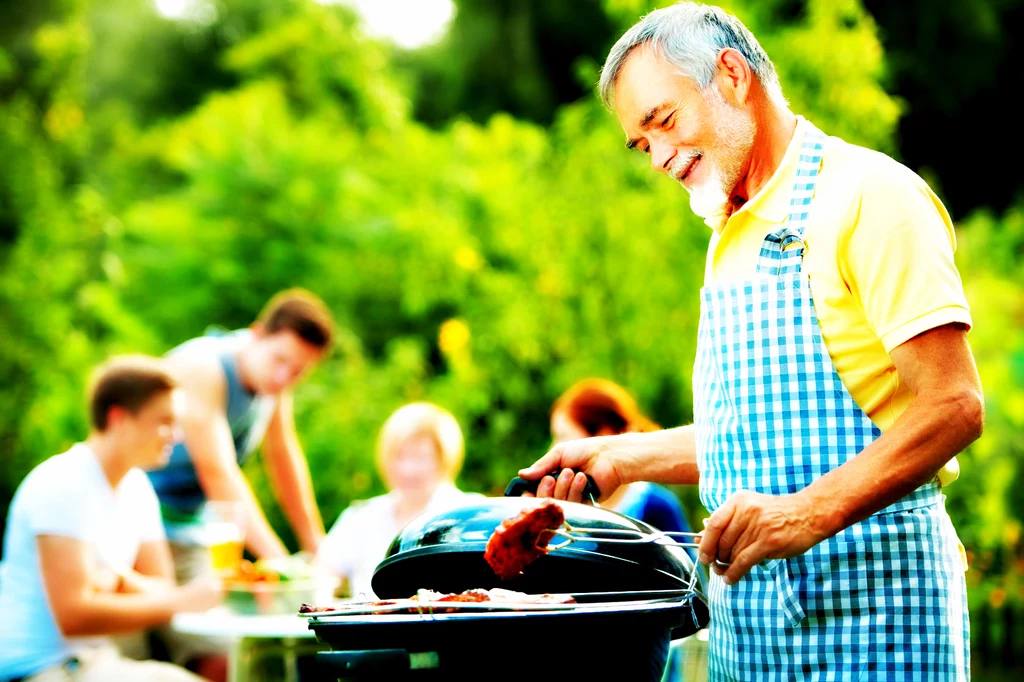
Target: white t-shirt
<point>362,534</point>
<point>67,495</point>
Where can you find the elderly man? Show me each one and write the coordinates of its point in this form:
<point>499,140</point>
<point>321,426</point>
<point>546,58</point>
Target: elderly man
<point>833,380</point>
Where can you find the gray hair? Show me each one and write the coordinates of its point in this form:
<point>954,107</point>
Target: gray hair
<point>690,36</point>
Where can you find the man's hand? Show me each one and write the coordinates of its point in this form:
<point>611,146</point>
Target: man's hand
<point>594,456</point>
<point>751,527</point>
<point>200,594</point>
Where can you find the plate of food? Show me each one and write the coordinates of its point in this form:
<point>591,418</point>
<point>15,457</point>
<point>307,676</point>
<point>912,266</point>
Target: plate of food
<point>270,587</point>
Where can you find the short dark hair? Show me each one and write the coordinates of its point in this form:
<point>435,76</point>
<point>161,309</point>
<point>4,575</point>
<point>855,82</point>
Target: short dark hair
<point>128,381</point>
<point>301,312</point>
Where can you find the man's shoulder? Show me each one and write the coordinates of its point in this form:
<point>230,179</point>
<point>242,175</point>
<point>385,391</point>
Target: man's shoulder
<point>199,369</point>
<point>867,171</point>
<point>137,483</point>
<point>69,466</point>
<point>61,479</point>
<point>203,353</point>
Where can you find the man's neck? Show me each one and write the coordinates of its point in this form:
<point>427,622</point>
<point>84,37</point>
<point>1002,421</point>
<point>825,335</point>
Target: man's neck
<point>775,128</point>
<point>113,461</point>
<point>242,361</point>
<point>115,464</point>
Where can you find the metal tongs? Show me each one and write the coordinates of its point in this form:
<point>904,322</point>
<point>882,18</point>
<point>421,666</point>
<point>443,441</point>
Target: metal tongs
<point>622,536</point>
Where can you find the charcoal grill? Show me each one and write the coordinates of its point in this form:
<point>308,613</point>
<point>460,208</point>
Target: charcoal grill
<point>634,598</point>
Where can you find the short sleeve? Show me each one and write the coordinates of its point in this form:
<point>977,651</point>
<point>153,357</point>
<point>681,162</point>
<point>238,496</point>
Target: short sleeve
<point>898,258</point>
<point>57,506</point>
<point>151,525</point>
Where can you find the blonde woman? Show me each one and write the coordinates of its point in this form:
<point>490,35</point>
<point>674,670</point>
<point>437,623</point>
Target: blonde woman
<point>419,454</point>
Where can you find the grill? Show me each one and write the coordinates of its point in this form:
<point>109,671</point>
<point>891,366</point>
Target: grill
<point>633,599</point>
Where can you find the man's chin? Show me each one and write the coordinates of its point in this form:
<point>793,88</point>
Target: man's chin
<point>158,462</point>
<point>712,215</point>
<point>272,391</point>
<point>709,204</point>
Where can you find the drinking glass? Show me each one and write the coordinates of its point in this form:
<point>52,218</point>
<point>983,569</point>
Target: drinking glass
<point>224,534</point>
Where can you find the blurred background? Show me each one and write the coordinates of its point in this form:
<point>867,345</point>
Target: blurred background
<point>442,174</point>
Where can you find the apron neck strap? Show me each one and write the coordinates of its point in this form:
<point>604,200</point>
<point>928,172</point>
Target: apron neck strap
<point>776,257</point>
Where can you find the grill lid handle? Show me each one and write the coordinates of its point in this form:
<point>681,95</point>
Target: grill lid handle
<point>517,486</point>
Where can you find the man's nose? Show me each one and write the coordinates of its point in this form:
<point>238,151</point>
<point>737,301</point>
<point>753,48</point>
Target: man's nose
<point>661,157</point>
<point>283,375</point>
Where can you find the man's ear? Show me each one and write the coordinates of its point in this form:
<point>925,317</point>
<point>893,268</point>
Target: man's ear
<point>116,415</point>
<point>734,76</point>
<point>258,330</point>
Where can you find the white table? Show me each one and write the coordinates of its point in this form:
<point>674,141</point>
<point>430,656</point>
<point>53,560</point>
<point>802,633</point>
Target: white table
<point>252,638</point>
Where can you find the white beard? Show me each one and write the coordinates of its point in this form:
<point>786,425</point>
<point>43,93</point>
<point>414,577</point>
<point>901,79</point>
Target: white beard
<point>734,133</point>
<point>710,201</point>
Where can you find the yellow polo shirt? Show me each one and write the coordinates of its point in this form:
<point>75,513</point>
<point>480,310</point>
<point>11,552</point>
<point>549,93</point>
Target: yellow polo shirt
<point>879,257</point>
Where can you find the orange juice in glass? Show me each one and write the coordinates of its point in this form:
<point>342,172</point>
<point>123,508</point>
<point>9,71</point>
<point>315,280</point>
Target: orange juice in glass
<point>222,531</point>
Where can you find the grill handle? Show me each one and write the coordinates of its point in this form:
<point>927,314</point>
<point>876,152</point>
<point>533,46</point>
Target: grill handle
<point>518,485</point>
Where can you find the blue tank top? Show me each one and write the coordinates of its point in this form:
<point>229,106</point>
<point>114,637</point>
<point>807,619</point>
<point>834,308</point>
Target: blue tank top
<point>248,415</point>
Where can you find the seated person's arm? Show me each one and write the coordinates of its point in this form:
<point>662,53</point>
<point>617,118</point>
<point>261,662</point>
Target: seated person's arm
<point>288,472</point>
<point>153,572</point>
<point>209,443</point>
<point>81,607</point>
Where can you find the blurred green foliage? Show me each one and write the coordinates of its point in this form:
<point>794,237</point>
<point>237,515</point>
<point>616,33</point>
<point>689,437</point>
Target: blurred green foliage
<point>158,176</point>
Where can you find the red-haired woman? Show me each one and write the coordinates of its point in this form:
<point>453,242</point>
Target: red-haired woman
<point>598,407</point>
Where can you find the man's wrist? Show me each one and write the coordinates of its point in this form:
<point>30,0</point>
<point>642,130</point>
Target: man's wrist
<point>825,514</point>
<point>617,453</point>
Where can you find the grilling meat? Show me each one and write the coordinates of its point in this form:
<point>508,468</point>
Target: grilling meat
<point>468,595</point>
<point>523,538</point>
<point>309,608</point>
<point>428,600</point>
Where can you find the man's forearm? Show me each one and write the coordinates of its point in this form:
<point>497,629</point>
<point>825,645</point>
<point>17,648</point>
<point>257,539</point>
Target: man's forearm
<point>306,521</point>
<point>106,613</point>
<point>293,484</point>
<point>133,582</point>
<point>668,456</point>
<point>923,439</point>
<point>260,538</point>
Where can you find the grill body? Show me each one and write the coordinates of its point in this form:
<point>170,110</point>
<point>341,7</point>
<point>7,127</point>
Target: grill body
<point>622,641</point>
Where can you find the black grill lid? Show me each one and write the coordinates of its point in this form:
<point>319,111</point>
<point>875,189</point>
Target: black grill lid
<point>444,552</point>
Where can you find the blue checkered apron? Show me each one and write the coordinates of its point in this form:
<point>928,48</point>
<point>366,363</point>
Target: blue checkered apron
<point>885,598</point>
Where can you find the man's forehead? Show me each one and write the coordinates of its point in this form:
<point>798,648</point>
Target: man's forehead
<point>286,338</point>
<point>178,401</point>
<point>647,82</point>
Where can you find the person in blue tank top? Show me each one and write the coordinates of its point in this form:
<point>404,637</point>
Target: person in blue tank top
<point>237,388</point>
<point>238,396</point>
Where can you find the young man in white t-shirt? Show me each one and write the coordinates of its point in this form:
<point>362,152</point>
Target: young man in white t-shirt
<point>84,552</point>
